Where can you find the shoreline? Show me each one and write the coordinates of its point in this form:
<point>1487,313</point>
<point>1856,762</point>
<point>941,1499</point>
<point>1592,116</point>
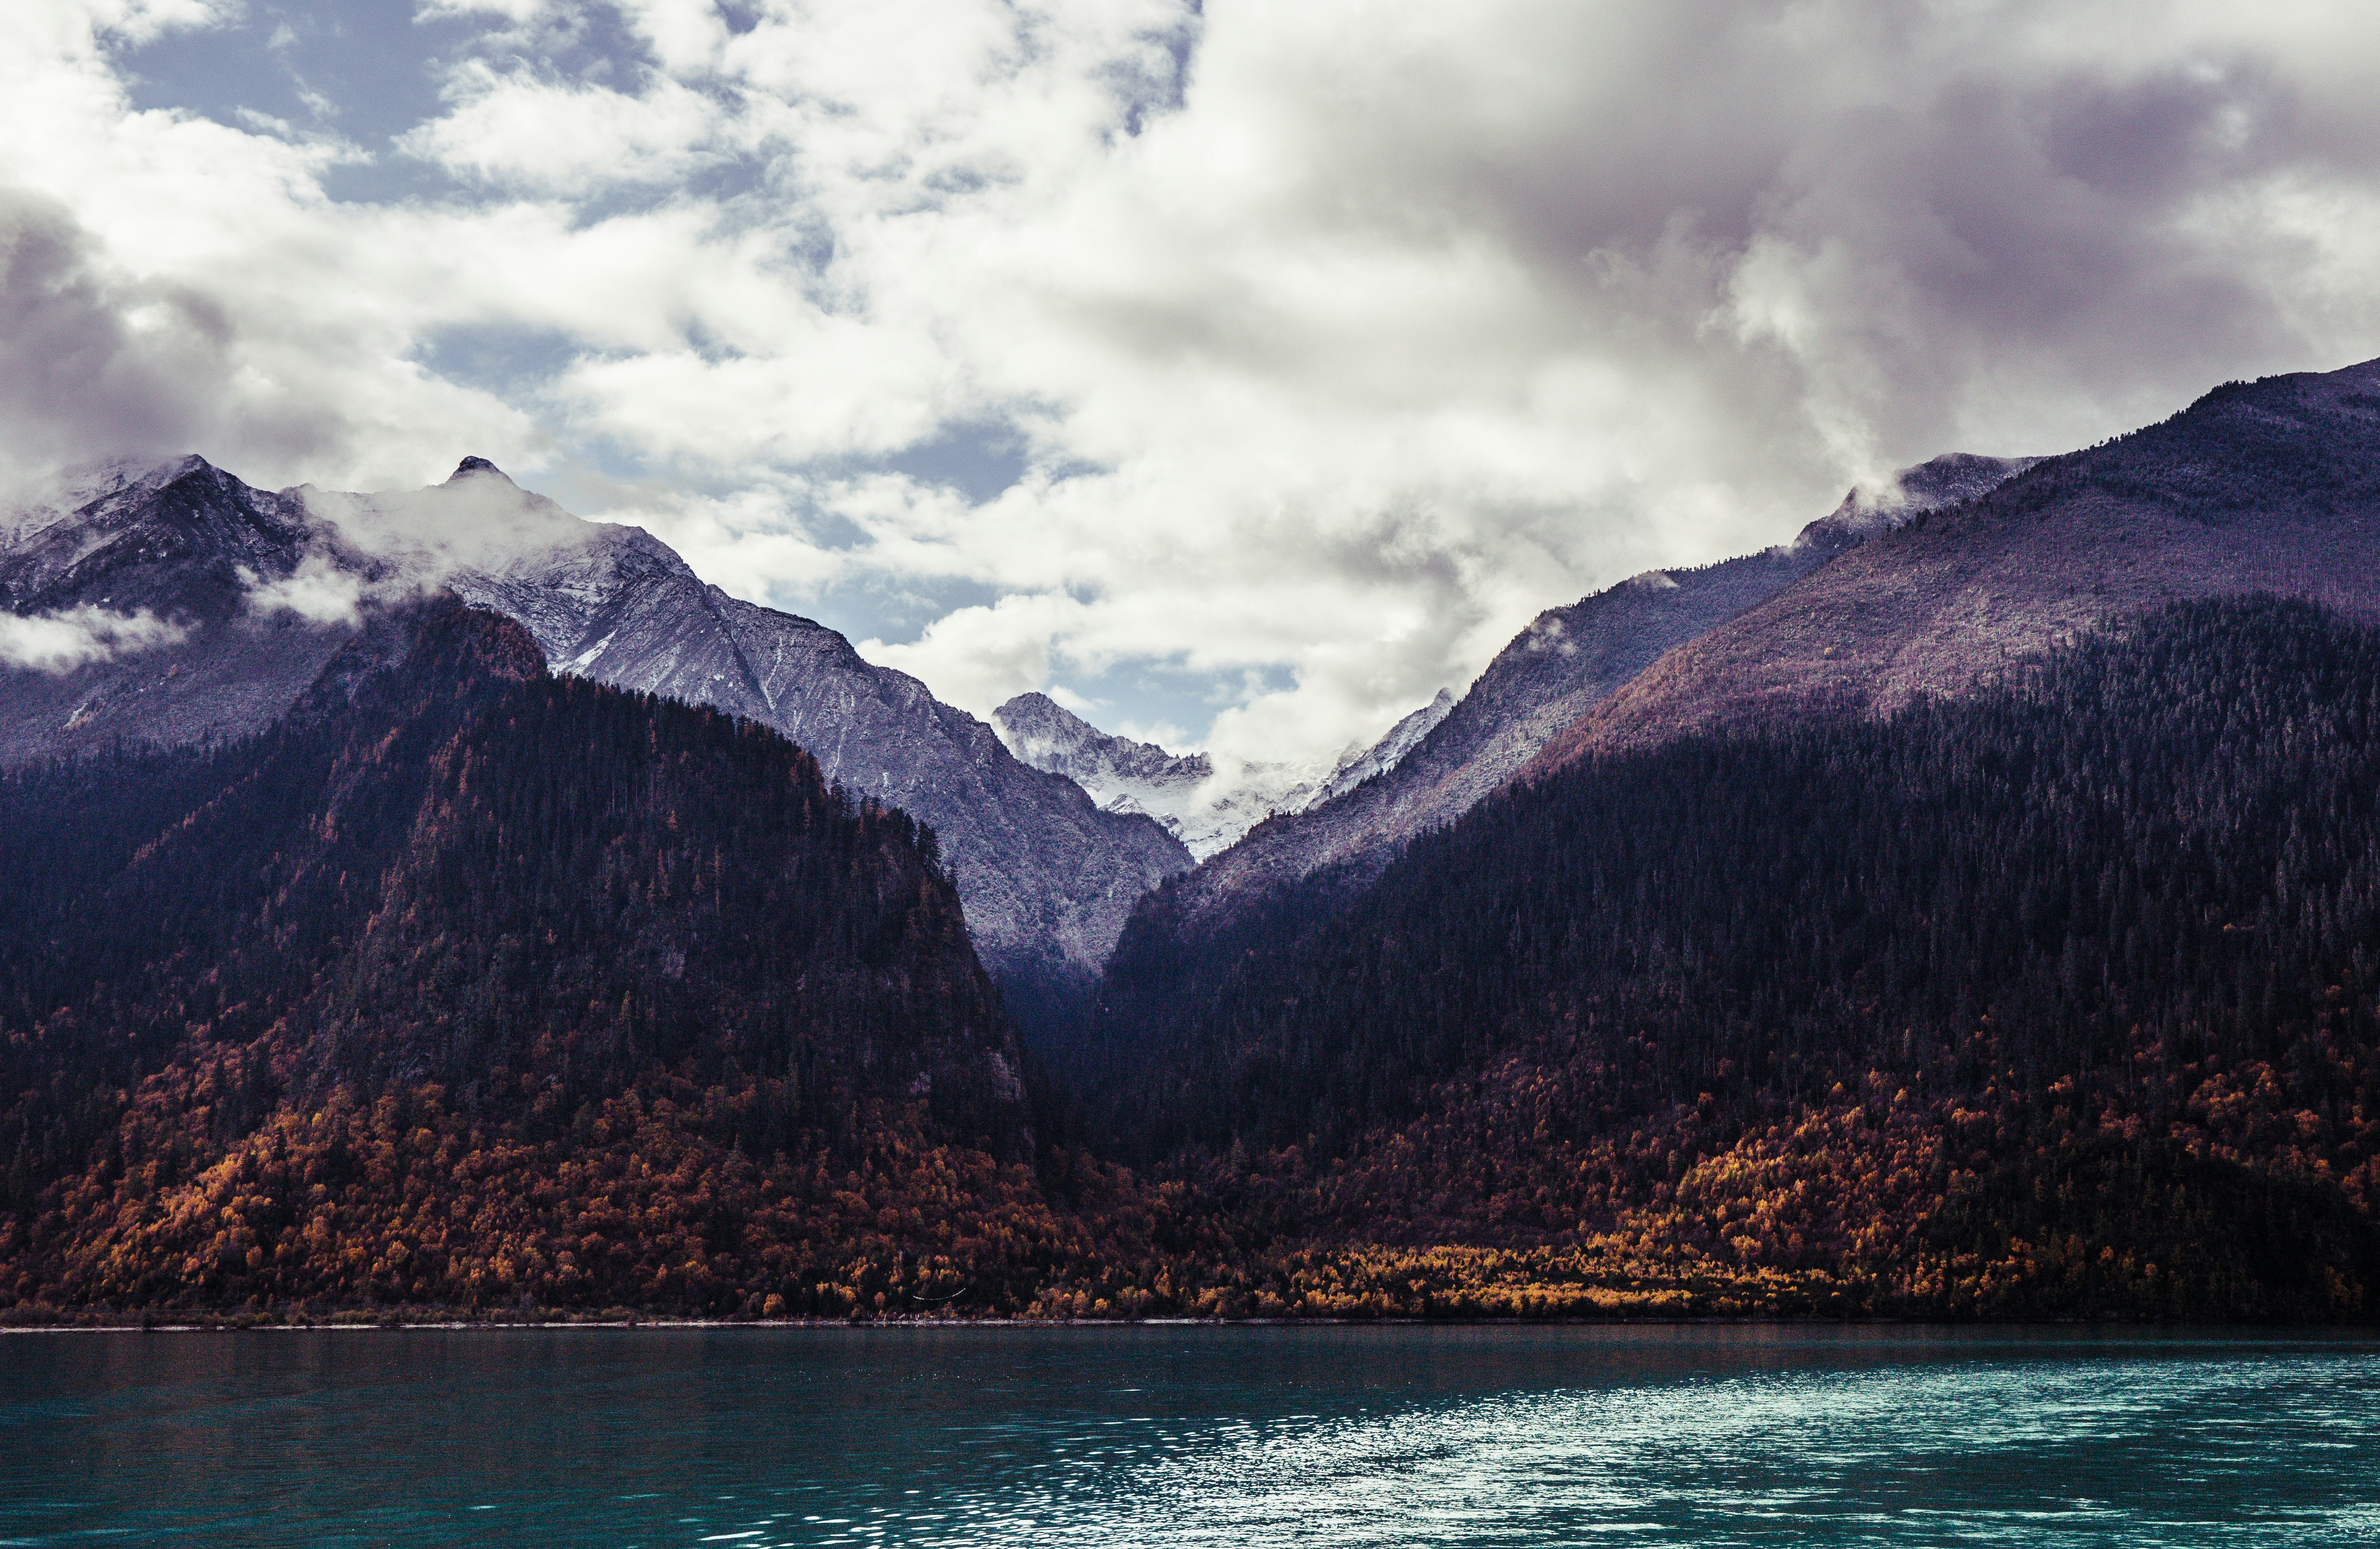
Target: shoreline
<point>895,1325</point>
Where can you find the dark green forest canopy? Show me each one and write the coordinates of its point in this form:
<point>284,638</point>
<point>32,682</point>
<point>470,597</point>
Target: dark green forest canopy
<point>2162,839</point>
<point>469,987</point>
<point>496,925</point>
<point>2132,889</point>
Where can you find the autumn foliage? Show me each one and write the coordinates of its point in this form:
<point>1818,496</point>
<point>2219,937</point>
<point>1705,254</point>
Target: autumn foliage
<point>473,990</point>
<point>2057,1000</point>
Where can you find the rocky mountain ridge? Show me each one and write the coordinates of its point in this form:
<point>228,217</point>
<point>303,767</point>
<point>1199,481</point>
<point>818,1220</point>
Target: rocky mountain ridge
<point>248,594</point>
<point>132,596</point>
<point>1566,661</point>
<point>2266,486</point>
<point>1206,807</point>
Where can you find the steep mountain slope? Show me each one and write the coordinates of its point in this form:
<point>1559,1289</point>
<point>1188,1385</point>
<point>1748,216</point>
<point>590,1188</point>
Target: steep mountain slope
<point>1205,808</point>
<point>1388,752</point>
<point>2271,486</point>
<point>1566,661</point>
<point>249,594</point>
<point>468,982</point>
<point>1121,775</point>
<point>1047,878</point>
<point>2058,999</point>
<point>128,593</point>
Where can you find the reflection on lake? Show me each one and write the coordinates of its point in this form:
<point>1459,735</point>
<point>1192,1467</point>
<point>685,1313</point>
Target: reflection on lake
<point>1149,1438</point>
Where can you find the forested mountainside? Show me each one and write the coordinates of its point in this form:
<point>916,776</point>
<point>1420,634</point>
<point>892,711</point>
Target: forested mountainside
<point>1568,660</point>
<point>1941,983</point>
<point>2061,998</point>
<point>1047,876</point>
<point>171,603</point>
<point>2271,486</point>
<point>468,984</point>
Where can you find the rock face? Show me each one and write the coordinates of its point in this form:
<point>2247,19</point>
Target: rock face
<point>128,590</point>
<point>248,595</point>
<point>1204,808</point>
<point>1120,774</point>
<point>1567,660</point>
<point>1388,752</point>
<point>2265,487</point>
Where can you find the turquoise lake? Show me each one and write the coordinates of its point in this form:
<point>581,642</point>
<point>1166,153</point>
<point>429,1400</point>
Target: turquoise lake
<point>1235,1437</point>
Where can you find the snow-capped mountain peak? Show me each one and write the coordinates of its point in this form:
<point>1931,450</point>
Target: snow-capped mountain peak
<point>1204,803</point>
<point>170,603</point>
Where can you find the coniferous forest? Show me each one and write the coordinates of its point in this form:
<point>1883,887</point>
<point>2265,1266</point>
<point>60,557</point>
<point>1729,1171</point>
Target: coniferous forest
<point>468,988</point>
<point>2056,999</point>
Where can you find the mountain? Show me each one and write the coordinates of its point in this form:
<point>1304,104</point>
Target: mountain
<point>1206,809</point>
<point>2054,1000</point>
<point>2042,989</point>
<point>2271,486</point>
<point>128,593</point>
<point>190,606</point>
<point>1356,768</point>
<point>1566,661</point>
<point>466,982</point>
<point>1975,926</point>
<point>1121,775</point>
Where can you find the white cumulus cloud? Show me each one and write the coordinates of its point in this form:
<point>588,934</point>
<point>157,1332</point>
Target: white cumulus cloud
<point>1288,356</point>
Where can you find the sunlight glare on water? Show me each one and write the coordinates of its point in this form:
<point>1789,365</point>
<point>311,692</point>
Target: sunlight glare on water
<point>1879,1457</point>
<point>1236,1438</point>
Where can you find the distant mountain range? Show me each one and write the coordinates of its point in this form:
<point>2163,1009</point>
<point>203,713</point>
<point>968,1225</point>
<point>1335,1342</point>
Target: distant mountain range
<point>2262,487</point>
<point>1965,910</point>
<point>170,604</point>
<point>1205,808</point>
<point>1565,662</point>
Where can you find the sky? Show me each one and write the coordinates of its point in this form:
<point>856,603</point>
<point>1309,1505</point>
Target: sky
<point>1238,373</point>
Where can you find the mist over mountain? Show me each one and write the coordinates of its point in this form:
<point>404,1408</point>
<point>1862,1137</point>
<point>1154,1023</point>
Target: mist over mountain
<point>184,547</point>
<point>224,602</point>
<point>1567,660</point>
<point>1207,808</point>
<point>2271,486</point>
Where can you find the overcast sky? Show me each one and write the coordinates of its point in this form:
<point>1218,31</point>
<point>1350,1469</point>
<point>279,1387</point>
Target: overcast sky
<point>1240,372</point>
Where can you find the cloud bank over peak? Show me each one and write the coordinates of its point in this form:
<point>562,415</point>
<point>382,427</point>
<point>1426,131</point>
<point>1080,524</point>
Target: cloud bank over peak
<point>1258,368</point>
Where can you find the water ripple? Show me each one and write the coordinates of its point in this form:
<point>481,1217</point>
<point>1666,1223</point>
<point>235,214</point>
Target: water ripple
<point>1191,1439</point>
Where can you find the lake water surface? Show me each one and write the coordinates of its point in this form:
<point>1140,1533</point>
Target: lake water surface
<point>1156,1437</point>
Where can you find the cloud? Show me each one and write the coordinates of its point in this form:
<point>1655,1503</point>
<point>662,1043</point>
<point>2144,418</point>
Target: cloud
<point>477,520</point>
<point>100,360</point>
<point>556,137</point>
<point>1380,327</point>
<point>977,653</point>
<point>171,284</point>
<point>90,365</point>
<point>1332,342</point>
<point>319,590</point>
<point>62,641</point>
